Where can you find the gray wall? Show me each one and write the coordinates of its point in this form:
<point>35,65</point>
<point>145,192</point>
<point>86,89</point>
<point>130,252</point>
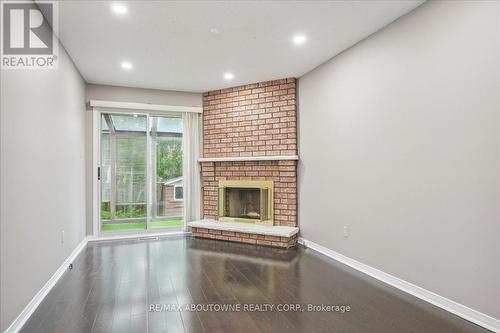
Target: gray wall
<point>400,142</point>
<point>42,168</point>
<point>131,95</point>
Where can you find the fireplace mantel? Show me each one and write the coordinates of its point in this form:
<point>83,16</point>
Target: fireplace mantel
<point>249,158</point>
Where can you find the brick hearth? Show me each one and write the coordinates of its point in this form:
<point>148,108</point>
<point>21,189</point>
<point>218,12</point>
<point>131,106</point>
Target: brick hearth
<point>242,237</point>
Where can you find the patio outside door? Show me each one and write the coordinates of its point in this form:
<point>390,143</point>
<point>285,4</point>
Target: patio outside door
<point>140,173</point>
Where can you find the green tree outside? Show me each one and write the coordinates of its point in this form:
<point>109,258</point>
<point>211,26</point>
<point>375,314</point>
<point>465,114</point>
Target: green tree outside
<point>169,159</point>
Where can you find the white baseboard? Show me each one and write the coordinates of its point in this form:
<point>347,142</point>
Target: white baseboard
<point>426,295</point>
<point>23,317</point>
<point>458,309</point>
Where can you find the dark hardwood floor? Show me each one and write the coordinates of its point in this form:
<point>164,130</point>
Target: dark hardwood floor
<point>114,284</point>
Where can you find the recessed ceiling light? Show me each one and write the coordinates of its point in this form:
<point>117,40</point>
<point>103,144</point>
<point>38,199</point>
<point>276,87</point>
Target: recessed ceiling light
<point>228,76</point>
<point>126,65</point>
<point>215,30</point>
<point>119,9</point>
<point>299,39</point>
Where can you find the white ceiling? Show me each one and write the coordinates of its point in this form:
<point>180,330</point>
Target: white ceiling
<point>171,46</point>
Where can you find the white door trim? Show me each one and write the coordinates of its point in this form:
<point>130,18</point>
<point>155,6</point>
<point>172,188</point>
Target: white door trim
<point>136,235</point>
<point>96,163</point>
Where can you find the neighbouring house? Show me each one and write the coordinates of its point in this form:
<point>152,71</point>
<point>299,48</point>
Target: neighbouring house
<point>171,201</point>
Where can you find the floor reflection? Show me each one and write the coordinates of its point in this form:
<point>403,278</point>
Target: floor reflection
<point>114,284</point>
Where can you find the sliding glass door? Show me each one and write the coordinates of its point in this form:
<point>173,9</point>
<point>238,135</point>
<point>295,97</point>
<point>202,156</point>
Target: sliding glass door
<point>140,172</point>
<point>168,200</point>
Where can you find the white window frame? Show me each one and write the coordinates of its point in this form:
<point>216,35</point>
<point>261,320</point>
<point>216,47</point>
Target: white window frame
<point>176,199</point>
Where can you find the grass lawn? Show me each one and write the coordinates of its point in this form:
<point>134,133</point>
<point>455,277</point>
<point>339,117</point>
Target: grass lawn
<point>142,225</point>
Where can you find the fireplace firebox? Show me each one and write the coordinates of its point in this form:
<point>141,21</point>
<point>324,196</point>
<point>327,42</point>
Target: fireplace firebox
<point>246,201</point>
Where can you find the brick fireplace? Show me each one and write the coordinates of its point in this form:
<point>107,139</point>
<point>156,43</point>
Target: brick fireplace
<point>250,133</point>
